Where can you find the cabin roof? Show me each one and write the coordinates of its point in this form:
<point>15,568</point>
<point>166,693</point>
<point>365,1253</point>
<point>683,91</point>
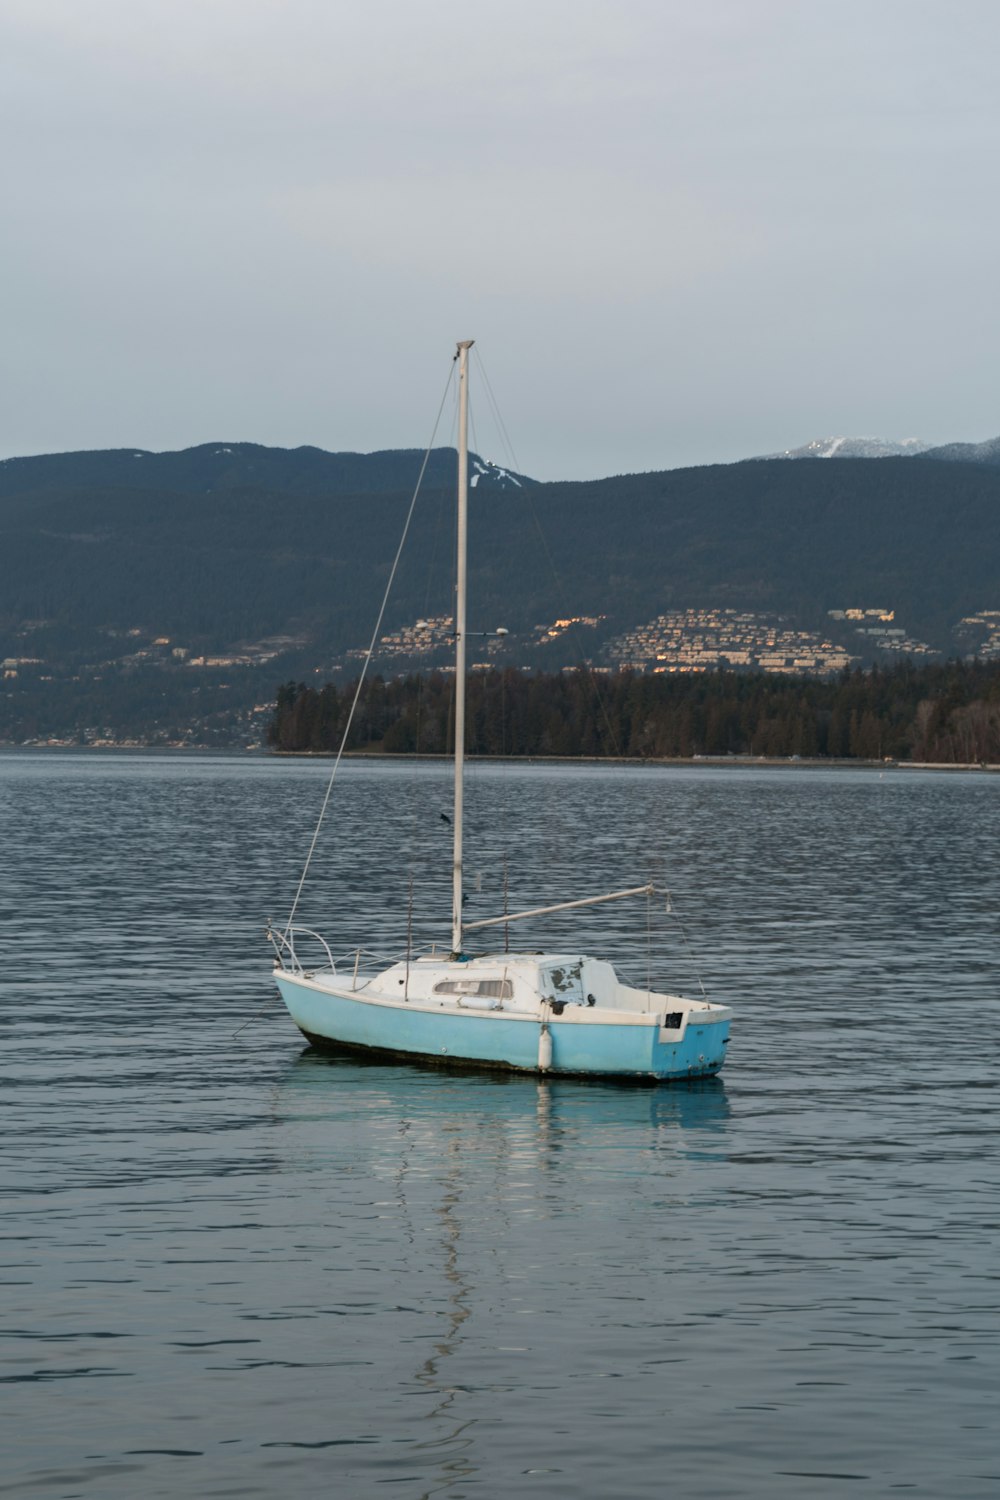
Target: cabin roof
<point>512,963</point>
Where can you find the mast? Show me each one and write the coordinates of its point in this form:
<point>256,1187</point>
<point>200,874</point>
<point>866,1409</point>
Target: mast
<point>462,356</point>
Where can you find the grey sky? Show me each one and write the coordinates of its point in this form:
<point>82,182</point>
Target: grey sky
<point>679,232</point>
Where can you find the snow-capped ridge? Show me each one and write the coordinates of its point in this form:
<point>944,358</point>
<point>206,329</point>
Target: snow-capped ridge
<point>856,447</point>
<point>987,452</point>
<point>484,468</point>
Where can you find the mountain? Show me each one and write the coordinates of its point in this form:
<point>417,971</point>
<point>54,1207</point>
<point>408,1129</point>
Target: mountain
<point>856,447</point>
<point>969,453</point>
<point>146,595</point>
<point>212,467</point>
<point>871,447</point>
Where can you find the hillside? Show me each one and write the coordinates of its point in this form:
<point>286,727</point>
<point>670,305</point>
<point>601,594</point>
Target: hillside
<point>119,574</point>
<point>868,447</point>
<point>213,467</point>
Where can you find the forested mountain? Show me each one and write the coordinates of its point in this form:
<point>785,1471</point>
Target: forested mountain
<point>868,447</point>
<point>212,467</point>
<point>969,453</point>
<point>275,561</point>
<point>223,561</point>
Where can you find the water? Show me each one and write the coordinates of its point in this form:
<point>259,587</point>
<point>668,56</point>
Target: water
<point>232,1267</point>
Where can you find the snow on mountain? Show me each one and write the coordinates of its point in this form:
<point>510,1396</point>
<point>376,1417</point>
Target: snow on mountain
<point>855,447</point>
<point>492,473</point>
<point>870,447</point>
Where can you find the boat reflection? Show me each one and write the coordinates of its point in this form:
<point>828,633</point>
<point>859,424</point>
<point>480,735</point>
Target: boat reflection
<point>449,1448</point>
<point>449,1169</point>
<point>689,1118</point>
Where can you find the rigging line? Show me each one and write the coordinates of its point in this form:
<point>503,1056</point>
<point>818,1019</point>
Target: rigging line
<point>503,822</point>
<point>498,417</point>
<point>475,436</point>
<point>576,633</point>
<point>510,459</point>
<point>431,565</point>
<point>670,912</point>
<point>595,690</point>
<point>426,671</point>
<point>370,652</point>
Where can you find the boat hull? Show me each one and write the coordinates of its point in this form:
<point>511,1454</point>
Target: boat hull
<point>634,1049</point>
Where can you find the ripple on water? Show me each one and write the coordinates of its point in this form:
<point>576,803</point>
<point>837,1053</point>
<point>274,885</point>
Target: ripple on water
<point>235,1267</point>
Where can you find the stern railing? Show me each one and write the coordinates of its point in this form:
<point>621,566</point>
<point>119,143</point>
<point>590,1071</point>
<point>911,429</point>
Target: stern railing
<point>283,944</point>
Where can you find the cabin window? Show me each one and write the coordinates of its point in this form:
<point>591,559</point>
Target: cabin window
<point>566,982</point>
<point>492,989</point>
<point>496,989</point>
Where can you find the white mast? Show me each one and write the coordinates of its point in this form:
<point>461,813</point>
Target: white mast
<point>460,585</point>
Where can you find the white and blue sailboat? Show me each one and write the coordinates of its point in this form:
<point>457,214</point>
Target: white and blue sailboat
<point>546,1013</point>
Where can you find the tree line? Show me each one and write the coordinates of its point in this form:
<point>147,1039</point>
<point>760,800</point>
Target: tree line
<point>946,713</point>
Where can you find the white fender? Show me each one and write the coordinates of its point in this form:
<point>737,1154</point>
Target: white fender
<point>544,1048</point>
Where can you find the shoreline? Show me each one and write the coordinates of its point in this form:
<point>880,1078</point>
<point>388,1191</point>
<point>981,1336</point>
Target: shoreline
<point>732,762</point>
<point>714,762</point>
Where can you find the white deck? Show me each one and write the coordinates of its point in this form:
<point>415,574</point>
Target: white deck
<point>572,986</point>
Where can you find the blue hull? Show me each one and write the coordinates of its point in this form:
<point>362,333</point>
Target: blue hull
<point>603,1049</point>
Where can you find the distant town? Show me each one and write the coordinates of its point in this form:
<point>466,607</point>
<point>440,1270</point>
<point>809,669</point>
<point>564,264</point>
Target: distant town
<point>707,640</point>
<point>169,692</point>
<point>681,640</point>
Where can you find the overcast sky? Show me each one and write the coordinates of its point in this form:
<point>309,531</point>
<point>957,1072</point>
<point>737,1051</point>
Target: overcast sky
<point>681,231</point>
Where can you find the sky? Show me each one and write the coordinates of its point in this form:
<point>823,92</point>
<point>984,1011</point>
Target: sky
<point>680,233</point>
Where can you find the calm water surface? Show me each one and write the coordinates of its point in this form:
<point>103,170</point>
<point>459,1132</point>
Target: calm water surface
<point>233,1267</point>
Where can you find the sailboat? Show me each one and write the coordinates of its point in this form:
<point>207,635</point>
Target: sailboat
<point>559,1013</point>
